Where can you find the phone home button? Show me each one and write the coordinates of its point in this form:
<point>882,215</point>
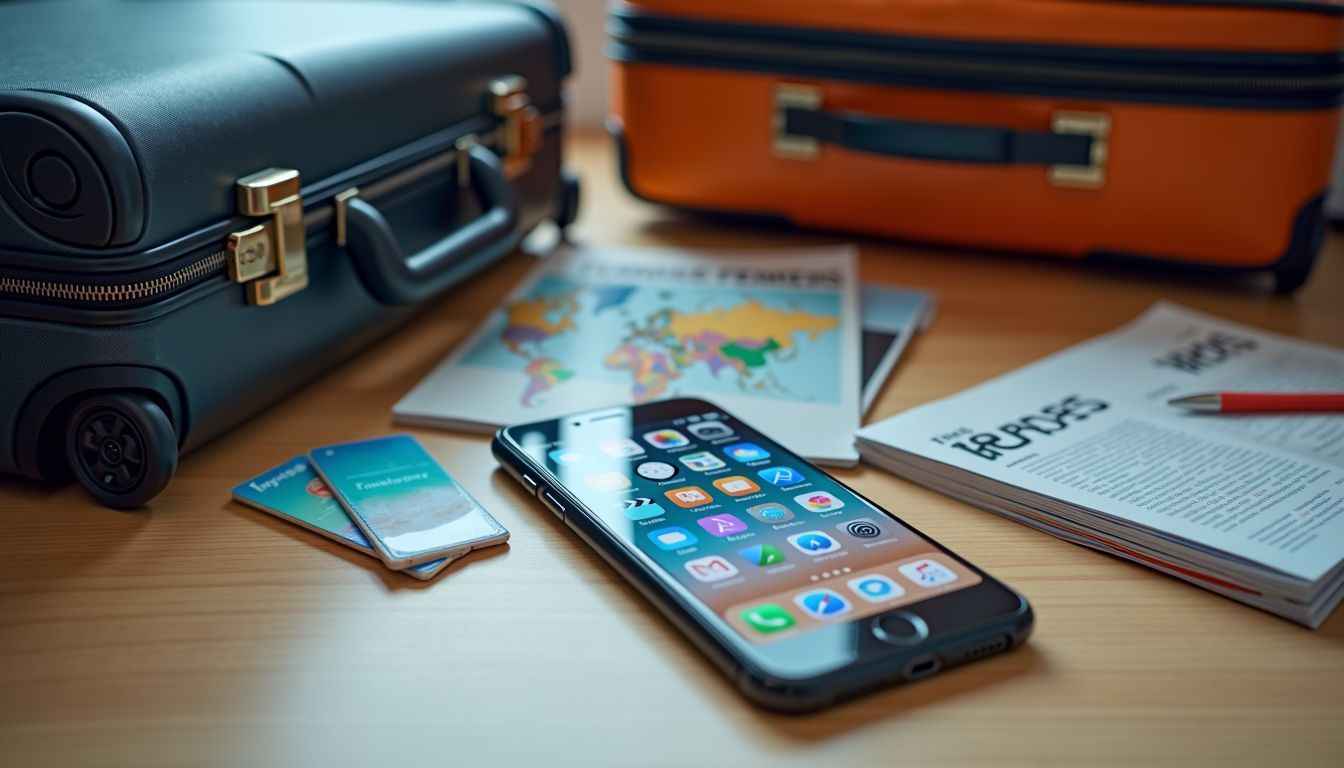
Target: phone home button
<point>900,628</point>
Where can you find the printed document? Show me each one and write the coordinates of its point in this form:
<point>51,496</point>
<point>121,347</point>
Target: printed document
<point>1084,445</point>
<point>772,337</point>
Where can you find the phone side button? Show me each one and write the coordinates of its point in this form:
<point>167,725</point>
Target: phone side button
<point>531,483</point>
<point>551,502</point>
<point>900,628</point>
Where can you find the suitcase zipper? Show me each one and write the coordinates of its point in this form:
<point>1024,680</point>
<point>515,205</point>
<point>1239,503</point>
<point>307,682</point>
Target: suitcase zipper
<point>164,280</point>
<point>116,292</point>
<point>1264,80</point>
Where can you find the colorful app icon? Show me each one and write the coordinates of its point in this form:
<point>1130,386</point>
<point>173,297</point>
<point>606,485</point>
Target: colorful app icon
<point>736,485</point>
<point>642,508</point>
<point>688,496</point>
<point>621,448</point>
<point>781,476</point>
<point>813,543</point>
<point>822,603</point>
<point>771,513</point>
<point>746,452</point>
<point>656,470</point>
<point>712,568</point>
<point>722,525</point>
<point>666,438</point>
<point>673,538</point>
<point>710,430</point>
<point>762,555</point>
<point>607,481</point>
<point>767,618</point>
<point>863,528</point>
<point>702,461</point>
<point>875,588</point>
<point>818,501</point>
<point>928,573</point>
<point>565,456</point>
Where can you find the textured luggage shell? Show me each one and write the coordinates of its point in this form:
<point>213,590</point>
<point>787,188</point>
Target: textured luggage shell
<point>174,102</point>
<point>1222,118</point>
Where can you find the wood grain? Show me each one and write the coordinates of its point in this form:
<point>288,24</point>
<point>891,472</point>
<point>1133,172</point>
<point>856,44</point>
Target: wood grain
<point>199,632</point>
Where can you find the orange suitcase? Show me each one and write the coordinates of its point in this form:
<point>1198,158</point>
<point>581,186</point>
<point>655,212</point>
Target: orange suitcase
<point>1196,132</point>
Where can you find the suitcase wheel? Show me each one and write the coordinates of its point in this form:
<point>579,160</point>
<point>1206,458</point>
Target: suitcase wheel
<point>121,447</point>
<point>567,207</point>
<point>1289,279</point>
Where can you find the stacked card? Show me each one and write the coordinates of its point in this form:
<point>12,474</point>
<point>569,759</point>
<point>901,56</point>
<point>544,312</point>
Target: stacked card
<point>891,316</point>
<point>385,497</point>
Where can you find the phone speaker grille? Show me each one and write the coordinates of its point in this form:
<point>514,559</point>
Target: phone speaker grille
<point>980,651</point>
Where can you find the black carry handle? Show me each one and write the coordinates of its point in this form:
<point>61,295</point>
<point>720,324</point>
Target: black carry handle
<point>395,278</point>
<point>952,142</point>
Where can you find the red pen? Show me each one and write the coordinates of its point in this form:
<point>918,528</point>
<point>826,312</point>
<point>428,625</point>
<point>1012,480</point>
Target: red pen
<point>1262,402</point>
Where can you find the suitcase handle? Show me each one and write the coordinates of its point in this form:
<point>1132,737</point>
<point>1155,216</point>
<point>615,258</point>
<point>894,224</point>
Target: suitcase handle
<point>1073,151</point>
<point>396,278</point>
<point>949,142</point>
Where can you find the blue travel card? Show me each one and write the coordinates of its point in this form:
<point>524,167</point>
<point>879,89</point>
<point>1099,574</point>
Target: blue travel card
<point>293,492</point>
<point>408,507</point>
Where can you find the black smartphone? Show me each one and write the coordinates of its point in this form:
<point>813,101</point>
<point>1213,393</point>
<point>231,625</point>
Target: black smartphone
<point>800,589</point>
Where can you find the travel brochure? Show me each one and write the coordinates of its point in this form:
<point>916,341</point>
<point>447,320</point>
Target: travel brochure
<point>773,337</point>
<point>1084,445</point>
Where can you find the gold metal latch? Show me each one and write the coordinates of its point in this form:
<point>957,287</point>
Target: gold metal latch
<point>794,96</point>
<point>1094,124</point>
<point>519,135</point>
<point>270,258</point>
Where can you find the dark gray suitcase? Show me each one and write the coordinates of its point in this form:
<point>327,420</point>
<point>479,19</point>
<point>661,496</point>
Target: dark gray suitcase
<point>203,205</point>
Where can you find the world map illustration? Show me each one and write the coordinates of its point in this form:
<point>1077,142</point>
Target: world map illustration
<point>661,341</point>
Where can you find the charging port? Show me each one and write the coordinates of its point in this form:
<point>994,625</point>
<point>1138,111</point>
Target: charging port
<point>922,667</point>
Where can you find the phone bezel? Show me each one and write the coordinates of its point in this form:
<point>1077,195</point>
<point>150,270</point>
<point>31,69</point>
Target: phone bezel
<point>961,618</point>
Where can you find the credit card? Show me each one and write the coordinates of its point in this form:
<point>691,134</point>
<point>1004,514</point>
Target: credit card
<point>409,508</point>
<point>293,492</point>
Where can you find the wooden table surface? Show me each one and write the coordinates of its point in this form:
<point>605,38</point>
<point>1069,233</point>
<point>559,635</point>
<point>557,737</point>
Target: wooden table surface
<point>201,632</point>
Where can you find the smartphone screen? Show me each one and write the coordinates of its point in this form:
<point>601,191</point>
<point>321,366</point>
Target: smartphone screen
<point>769,544</point>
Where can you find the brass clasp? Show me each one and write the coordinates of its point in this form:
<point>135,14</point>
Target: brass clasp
<point>270,258</point>
<point>1094,124</point>
<point>794,96</point>
<point>519,135</point>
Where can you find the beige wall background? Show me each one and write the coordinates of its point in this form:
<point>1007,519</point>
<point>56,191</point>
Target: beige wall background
<point>588,87</point>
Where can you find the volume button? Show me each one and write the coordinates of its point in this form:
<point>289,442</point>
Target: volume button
<point>531,483</point>
<point>551,502</point>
